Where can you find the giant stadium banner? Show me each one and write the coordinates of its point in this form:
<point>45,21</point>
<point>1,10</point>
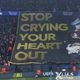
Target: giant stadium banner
<point>47,37</point>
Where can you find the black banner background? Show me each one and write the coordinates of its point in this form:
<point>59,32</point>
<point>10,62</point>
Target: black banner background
<point>49,50</point>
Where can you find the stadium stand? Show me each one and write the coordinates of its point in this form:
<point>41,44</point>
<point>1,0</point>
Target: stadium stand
<point>7,37</point>
<point>40,5</point>
<point>8,25</point>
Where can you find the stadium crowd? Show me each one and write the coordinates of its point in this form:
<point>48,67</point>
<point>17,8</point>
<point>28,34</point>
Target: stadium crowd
<point>8,28</point>
<point>7,37</point>
<point>40,5</point>
<point>8,24</point>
